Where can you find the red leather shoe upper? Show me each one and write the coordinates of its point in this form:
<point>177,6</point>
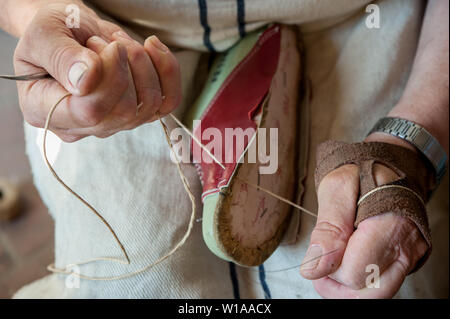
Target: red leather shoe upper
<point>234,105</point>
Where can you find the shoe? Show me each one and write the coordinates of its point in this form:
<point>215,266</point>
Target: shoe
<point>252,86</point>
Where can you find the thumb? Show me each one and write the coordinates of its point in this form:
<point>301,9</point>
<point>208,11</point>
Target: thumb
<point>75,67</point>
<point>337,196</point>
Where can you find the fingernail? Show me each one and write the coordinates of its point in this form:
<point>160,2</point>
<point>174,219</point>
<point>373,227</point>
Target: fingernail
<point>76,72</point>
<point>158,44</point>
<point>312,257</point>
<point>97,39</point>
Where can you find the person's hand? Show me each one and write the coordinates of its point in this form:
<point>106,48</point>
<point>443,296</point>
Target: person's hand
<point>108,73</point>
<point>392,243</point>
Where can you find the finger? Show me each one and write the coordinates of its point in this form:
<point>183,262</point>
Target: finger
<point>386,286</point>
<point>96,44</point>
<point>337,196</point>
<point>108,29</point>
<point>168,71</point>
<point>76,68</point>
<point>370,245</point>
<point>378,242</point>
<point>123,114</point>
<point>120,114</point>
<point>145,78</point>
<point>37,97</point>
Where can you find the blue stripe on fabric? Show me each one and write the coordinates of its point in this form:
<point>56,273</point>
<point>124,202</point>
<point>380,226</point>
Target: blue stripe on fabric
<point>204,22</point>
<point>262,279</point>
<point>241,17</point>
<point>234,280</point>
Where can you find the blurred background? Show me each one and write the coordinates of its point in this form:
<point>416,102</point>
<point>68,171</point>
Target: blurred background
<point>26,242</point>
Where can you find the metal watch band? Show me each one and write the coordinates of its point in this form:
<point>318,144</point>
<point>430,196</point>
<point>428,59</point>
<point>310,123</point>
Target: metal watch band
<point>417,136</point>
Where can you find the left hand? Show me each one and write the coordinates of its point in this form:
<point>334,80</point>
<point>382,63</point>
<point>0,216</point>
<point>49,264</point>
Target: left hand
<point>107,72</point>
<point>391,242</point>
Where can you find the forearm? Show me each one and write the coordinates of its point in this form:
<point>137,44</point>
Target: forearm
<point>426,97</point>
<point>17,14</point>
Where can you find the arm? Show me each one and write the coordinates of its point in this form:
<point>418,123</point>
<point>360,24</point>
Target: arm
<point>425,100</point>
<point>389,241</point>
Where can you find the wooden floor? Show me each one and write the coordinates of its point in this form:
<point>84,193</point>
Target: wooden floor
<point>26,244</point>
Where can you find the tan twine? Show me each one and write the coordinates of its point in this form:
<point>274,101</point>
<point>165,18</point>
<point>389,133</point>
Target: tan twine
<point>186,184</point>
<point>66,270</point>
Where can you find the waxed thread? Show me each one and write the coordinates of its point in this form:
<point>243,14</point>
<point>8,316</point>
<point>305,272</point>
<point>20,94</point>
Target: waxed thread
<point>247,182</point>
<point>52,267</point>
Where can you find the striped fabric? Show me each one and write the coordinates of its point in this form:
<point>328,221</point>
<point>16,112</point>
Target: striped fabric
<point>215,25</point>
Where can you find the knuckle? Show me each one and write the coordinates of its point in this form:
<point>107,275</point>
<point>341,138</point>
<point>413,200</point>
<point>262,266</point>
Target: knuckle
<point>136,54</point>
<point>23,51</point>
<point>103,135</point>
<point>18,51</point>
<point>33,120</point>
<point>352,275</point>
<point>339,178</point>
<point>354,283</point>
<point>67,138</point>
<point>336,231</point>
<point>339,189</point>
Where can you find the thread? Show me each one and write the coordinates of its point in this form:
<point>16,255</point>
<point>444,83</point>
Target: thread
<point>52,267</point>
<point>26,77</point>
<point>246,182</point>
<point>379,188</point>
<point>196,140</point>
<point>183,178</point>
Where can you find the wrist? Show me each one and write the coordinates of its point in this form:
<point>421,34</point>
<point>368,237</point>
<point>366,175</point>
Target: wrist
<point>391,139</point>
<point>431,115</point>
<point>405,131</point>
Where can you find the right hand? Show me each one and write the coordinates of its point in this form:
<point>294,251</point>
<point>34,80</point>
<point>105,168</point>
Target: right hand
<point>107,72</point>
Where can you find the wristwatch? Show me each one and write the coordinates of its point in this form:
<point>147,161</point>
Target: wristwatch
<point>417,136</point>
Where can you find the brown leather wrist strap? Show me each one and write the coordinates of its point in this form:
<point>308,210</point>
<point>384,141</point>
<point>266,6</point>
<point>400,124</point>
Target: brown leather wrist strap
<point>406,196</point>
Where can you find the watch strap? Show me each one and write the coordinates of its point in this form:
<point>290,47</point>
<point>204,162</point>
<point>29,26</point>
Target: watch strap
<point>417,136</point>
